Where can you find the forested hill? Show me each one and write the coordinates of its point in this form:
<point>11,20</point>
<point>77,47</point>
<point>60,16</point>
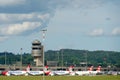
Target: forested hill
<point>69,57</point>
<point>75,57</point>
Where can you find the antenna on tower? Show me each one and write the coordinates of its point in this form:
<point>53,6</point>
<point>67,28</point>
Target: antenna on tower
<point>43,38</point>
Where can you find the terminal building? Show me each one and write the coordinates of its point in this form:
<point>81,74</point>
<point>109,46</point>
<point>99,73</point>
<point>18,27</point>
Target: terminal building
<point>37,52</point>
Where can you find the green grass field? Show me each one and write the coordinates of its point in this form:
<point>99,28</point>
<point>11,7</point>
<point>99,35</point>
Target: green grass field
<point>60,78</point>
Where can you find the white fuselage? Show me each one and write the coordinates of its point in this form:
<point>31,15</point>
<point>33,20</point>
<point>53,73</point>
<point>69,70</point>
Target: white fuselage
<point>35,72</point>
<point>81,73</point>
<point>17,72</point>
<point>60,72</point>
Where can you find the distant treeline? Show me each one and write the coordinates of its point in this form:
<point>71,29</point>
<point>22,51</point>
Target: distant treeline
<point>67,57</point>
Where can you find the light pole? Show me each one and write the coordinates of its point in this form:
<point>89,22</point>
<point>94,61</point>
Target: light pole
<point>5,58</point>
<point>21,58</point>
<point>62,58</point>
<point>86,60</point>
<point>43,38</point>
<point>58,57</point>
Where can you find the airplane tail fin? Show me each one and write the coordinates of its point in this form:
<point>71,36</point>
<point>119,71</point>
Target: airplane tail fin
<point>5,73</point>
<point>28,68</point>
<point>91,68</point>
<point>70,68</point>
<point>99,68</point>
<point>46,71</point>
<point>46,68</point>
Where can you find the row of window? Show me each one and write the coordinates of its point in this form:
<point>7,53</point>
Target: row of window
<point>36,48</point>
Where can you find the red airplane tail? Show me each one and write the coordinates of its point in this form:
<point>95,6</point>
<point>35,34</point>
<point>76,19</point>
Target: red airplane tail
<point>99,68</point>
<point>70,69</point>
<point>46,71</point>
<point>5,73</point>
<point>28,68</point>
<point>46,68</point>
<point>91,68</point>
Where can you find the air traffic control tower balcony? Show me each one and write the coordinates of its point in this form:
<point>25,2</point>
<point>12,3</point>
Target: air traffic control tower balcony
<point>37,52</point>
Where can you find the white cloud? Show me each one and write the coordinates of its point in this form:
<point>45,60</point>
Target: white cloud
<point>14,29</point>
<point>11,2</point>
<point>13,18</point>
<point>13,24</point>
<point>96,32</point>
<point>116,31</point>
<point>19,19</point>
<point>44,17</point>
<point>21,24</point>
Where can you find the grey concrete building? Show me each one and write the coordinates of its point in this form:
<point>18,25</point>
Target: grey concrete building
<point>37,52</point>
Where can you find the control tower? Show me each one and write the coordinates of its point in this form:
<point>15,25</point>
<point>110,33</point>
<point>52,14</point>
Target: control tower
<point>37,52</point>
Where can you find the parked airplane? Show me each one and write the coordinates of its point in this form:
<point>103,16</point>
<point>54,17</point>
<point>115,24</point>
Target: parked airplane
<point>16,73</point>
<point>98,71</point>
<point>26,72</point>
<point>33,72</point>
<point>89,72</point>
<point>61,72</point>
<point>84,72</point>
<point>45,71</point>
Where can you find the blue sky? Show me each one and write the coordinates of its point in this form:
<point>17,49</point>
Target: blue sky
<point>75,24</point>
